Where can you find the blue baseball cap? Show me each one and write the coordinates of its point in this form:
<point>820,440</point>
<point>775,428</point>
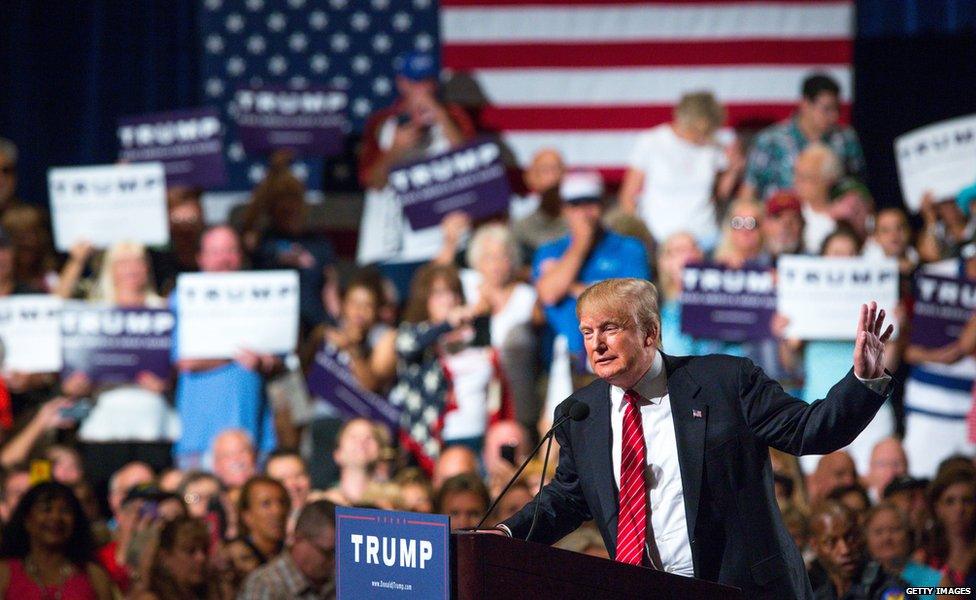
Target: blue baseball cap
<point>965,198</point>
<point>417,66</point>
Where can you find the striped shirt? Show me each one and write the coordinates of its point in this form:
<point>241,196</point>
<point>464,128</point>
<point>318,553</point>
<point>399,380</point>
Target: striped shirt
<point>280,579</point>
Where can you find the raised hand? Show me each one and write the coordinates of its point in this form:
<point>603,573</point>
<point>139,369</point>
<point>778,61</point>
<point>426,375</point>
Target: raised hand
<point>870,342</point>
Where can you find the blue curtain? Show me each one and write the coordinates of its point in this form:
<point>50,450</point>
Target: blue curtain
<point>69,70</point>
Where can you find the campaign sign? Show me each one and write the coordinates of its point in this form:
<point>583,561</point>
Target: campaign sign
<point>30,330</point>
<point>189,143</point>
<point>220,314</point>
<point>470,178</point>
<point>938,158</point>
<point>309,121</point>
<point>385,554</point>
<point>732,305</point>
<point>113,345</point>
<point>108,204</point>
<point>942,307</point>
<point>331,381</point>
<point>822,297</point>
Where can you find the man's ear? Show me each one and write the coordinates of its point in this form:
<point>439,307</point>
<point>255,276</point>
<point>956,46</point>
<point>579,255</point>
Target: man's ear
<point>651,338</point>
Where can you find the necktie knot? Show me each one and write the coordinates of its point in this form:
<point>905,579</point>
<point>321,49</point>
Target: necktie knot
<point>632,398</point>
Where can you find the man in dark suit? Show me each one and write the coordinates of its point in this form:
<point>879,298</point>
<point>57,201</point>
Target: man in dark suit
<point>672,463</point>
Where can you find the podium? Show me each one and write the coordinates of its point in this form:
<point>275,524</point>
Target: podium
<point>485,566</point>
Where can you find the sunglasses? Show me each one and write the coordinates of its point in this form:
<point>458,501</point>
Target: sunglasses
<point>747,223</point>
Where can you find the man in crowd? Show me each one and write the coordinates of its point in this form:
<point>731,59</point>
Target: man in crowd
<point>842,570</point>
<point>770,163</point>
<point>263,512</point>
<point>357,454</point>
<point>783,226</point>
<point>454,460</point>
<point>214,395</point>
<point>590,253</point>
<point>290,469</point>
<point>234,458</point>
<point>306,570</point>
<point>417,125</point>
<point>888,462</point>
<point>122,482</point>
<point>544,223</point>
<point>835,470</point>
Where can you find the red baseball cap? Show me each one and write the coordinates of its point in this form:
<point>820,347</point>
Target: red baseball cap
<point>781,201</point>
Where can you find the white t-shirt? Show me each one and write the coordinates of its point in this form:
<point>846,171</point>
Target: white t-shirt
<point>816,227</point>
<point>516,312</point>
<point>679,178</point>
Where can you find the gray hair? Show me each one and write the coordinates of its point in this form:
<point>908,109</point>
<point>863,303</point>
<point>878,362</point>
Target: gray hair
<point>492,232</point>
<point>830,166</point>
<point>8,149</point>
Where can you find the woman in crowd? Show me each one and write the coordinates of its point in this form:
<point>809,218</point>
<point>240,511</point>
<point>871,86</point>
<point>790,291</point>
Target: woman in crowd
<point>950,544</point>
<point>441,371</point>
<point>35,265</point>
<point>132,419</point>
<point>889,542</point>
<point>678,171</point>
<point>491,288</point>
<point>464,498</point>
<point>742,240</point>
<point>180,566</point>
<point>359,333</point>
<point>47,551</point>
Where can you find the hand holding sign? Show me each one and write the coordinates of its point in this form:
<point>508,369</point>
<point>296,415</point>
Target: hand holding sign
<point>870,342</point>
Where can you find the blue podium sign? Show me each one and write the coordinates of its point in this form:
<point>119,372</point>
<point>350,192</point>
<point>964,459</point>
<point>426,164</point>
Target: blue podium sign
<point>385,554</point>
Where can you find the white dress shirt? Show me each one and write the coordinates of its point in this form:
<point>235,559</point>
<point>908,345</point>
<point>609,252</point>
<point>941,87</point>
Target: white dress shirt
<point>668,543</point>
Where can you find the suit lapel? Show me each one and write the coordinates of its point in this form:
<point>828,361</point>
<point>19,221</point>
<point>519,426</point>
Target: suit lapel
<point>599,433</point>
<point>690,415</point>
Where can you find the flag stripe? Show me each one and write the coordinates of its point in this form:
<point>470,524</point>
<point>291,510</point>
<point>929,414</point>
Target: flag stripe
<point>508,24</point>
<point>635,54</point>
<point>636,86</point>
<point>532,118</point>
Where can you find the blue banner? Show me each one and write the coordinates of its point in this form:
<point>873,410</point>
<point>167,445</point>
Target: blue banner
<point>385,554</point>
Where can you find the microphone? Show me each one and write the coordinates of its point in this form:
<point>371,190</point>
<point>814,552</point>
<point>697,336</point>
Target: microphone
<point>566,410</point>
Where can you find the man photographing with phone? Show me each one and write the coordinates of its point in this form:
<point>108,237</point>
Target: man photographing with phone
<point>684,483</point>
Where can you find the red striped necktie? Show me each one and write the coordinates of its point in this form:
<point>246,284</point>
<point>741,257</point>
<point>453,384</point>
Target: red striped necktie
<point>632,516</point>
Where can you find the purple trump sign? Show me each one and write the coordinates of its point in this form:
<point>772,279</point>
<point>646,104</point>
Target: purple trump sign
<point>942,307</point>
<point>114,345</point>
<point>731,305</point>
<point>330,380</point>
<point>189,143</point>
<point>470,178</point>
<point>308,121</point>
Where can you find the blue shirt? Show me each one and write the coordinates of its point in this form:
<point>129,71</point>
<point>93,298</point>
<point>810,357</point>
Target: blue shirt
<point>228,397</point>
<point>917,575</point>
<point>614,255</point>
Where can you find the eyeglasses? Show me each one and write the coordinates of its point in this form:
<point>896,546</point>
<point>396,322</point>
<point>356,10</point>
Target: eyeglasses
<point>747,223</point>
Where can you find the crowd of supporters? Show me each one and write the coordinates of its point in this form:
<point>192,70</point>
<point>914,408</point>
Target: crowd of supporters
<point>207,485</point>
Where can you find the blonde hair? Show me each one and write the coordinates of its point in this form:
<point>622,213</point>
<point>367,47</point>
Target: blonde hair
<point>668,286</point>
<point>699,106</point>
<point>104,289</point>
<point>621,296</point>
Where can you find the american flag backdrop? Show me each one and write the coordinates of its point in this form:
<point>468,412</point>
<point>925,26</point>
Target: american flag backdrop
<point>346,43</point>
<point>583,76</point>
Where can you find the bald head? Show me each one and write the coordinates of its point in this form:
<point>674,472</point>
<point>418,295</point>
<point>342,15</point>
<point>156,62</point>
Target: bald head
<point>833,471</point>
<point>455,460</point>
<point>234,458</point>
<point>545,171</point>
<point>504,433</point>
<point>888,461</point>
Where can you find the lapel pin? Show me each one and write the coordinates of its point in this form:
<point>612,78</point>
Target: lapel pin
<point>696,413</point>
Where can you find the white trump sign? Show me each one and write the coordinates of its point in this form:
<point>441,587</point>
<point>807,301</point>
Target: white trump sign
<point>107,204</point>
<point>30,329</point>
<point>822,297</point>
<point>219,314</point>
<point>938,158</point>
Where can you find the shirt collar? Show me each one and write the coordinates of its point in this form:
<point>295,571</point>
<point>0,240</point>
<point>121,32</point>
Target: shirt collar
<point>653,385</point>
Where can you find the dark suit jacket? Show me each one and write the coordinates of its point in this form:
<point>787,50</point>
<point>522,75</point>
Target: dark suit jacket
<point>736,532</point>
